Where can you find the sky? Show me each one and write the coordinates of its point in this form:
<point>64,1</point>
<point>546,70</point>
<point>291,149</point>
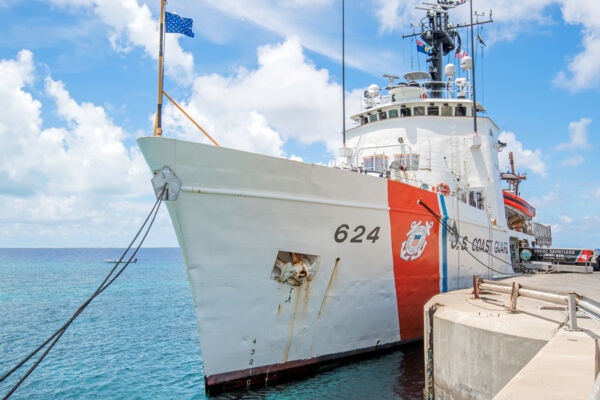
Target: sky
<point>78,85</point>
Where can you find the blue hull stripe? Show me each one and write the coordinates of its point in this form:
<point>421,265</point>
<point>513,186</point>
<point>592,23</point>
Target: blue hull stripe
<point>444,245</point>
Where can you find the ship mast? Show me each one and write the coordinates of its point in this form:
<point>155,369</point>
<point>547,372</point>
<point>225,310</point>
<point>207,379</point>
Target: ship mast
<point>513,178</point>
<point>442,37</point>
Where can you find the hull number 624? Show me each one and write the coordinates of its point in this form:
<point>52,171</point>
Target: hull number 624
<point>344,232</point>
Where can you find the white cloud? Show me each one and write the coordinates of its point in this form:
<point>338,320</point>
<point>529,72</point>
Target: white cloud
<point>315,23</point>
<point>556,228</point>
<point>20,122</point>
<point>286,96</point>
<point>131,24</point>
<point>68,185</point>
<point>389,11</point>
<point>565,219</point>
<point>304,3</point>
<point>586,228</point>
<point>294,157</point>
<point>527,159</point>
<point>88,155</point>
<point>572,161</point>
<point>546,200</point>
<point>578,141</point>
<point>578,136</point>
<point>598,193</point>
<point>583,70</point>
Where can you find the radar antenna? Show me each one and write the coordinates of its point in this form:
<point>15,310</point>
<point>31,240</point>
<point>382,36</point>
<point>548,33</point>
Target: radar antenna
<point>441,36</point>
<point>391,79</point>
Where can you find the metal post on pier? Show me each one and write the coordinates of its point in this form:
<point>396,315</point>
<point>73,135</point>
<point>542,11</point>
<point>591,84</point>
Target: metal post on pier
<point>475,287</point>
<point>514,295</point>
<point>572,306</point>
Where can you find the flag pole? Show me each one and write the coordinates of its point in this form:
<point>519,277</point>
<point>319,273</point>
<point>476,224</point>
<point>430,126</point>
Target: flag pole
<point>158,124</point>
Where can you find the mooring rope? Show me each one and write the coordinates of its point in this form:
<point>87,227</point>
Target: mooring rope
<point>455,232</point>
<point>103,286</point>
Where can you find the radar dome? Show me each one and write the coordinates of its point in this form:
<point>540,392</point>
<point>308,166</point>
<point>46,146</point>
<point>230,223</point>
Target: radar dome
<point>373,90</point>
<point>449,70</point>
<point>466,63</point>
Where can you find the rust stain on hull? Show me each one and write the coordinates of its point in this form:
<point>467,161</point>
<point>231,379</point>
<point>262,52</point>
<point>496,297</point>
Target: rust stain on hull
<point>286,351</point>
<point>331,279</point>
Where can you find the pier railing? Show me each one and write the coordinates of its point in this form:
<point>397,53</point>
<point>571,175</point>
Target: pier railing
<point>571,300</point>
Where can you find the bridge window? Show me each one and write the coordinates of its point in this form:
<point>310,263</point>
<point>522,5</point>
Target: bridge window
<point>393,113</point>
<point>476,199</point>
<point>373,118</point>
<point>461,111</point>
<point>433,110</point>
<point>405,112</point>
<point>419,111</point>
<point>382,115</point>
<point>479,198</point>
<point>363,120</point>
<point>447,111</point>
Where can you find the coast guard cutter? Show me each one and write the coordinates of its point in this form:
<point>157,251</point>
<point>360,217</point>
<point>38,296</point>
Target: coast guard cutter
<point>292,265</point>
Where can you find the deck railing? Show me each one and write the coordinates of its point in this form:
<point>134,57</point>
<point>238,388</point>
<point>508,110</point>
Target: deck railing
<point>430,90</point>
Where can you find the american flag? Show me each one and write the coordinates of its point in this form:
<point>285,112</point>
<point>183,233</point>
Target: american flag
<point>460,54</point>
<point>176,24</point>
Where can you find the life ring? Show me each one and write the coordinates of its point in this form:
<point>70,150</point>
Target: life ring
<point>424,96</point>
<point>443,189</point>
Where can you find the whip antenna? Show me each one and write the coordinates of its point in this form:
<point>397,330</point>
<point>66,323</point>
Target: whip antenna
<point>343,77</point>
<point>473,52</point>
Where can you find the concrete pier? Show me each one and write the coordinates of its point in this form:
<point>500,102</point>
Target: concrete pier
<point>479,348</point>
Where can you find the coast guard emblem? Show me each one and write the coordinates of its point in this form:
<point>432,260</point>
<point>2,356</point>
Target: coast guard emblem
<point>414,245</point>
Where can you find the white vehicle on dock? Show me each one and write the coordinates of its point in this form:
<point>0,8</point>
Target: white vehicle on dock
<point>292,265</point>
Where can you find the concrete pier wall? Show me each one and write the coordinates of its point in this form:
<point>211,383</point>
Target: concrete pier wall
<point>477,349</point>
<point>565,368</point>
<point>473,364</point>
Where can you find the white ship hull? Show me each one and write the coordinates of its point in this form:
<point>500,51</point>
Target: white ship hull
<point>237,211</point>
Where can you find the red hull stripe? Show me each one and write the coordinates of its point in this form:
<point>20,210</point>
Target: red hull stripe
<point>416,261</point>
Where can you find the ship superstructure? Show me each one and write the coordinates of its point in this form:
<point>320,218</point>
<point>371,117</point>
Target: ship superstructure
<point>292,265</point>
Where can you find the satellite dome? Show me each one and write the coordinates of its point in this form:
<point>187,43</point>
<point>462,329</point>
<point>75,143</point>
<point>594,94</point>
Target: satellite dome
<point>449,70</point>
<point>466,63</point>
<point>373,90</point>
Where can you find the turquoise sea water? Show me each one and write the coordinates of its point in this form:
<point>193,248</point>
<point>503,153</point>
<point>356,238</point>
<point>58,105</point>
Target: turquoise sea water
<point>139,340</point>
